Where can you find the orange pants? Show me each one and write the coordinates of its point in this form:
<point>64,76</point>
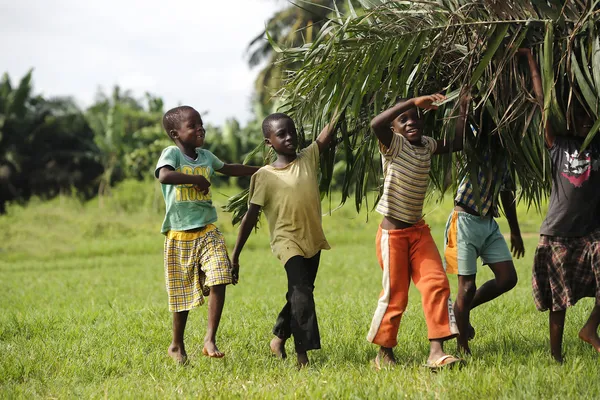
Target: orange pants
<point>404,254</point>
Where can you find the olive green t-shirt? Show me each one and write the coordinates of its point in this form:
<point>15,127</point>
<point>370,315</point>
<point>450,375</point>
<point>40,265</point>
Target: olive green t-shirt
<point>291,202</point>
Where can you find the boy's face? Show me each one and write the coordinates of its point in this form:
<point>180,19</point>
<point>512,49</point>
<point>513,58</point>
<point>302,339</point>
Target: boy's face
<point>583,124</point>
<point>410,125</point>
<point>283,136</point>
<point>191,131</point>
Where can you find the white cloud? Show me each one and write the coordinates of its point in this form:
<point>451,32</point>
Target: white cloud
<point>187,51</point>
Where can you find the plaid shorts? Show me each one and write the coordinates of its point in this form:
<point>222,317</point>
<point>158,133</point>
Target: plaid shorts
<point>194,261</point>
<point>565,270</point>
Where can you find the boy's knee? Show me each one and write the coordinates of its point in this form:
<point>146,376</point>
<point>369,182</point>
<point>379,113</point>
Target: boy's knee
<point>467,288</point>
<point>217,289</point>
<point>508,281</point>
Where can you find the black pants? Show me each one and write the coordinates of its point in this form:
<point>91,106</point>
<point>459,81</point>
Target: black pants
<point>298,317</point>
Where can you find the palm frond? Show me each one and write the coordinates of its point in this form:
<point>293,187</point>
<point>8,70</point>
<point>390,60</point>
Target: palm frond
<point>363,62</point>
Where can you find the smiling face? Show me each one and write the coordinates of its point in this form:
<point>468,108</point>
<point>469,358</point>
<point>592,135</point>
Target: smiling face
<point>410,125</point>
<point>282,136</point>
<point>190,132</point>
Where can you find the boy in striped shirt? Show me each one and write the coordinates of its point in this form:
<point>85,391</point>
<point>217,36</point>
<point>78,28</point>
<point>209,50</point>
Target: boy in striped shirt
<point>472,232</point>
<point>405,248</point>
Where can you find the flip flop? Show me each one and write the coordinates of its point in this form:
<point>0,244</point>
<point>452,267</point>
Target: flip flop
<point>378,366</point>
<point>205,352</point>
<point>444,362</point>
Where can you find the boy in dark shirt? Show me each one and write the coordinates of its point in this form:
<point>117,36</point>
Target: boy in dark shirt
<point>567,260</point>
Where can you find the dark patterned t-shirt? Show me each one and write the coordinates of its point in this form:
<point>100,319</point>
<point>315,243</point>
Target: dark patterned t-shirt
<point>575,198</point>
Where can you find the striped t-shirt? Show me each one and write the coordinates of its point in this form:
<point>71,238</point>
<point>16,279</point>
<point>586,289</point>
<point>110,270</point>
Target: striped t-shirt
<point>488,189</point>
<point>406,172</point>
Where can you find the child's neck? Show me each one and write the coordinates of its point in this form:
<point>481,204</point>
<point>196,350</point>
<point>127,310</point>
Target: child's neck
<point>190,152</point>
<point>284,159</point>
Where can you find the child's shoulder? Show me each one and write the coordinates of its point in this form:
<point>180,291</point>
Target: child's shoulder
<point>203,151</point>
<point>170,149</point>
<point>170,153</point>
<point>263,172</point>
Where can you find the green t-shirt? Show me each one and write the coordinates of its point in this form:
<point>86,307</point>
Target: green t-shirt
<point>187,207</point>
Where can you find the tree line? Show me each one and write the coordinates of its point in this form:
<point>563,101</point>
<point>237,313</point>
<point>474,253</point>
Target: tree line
<point>50,146</point>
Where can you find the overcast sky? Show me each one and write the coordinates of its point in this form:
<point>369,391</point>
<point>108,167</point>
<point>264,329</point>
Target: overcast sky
<point>186,51</point>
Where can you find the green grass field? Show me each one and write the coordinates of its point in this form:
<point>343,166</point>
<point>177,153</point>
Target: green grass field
<point>83,313</point>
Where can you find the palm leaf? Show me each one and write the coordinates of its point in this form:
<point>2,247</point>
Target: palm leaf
<point>364,61</point>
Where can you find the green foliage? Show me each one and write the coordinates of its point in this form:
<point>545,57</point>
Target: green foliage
<point>292,26</point>
<point>362,63</point>
<point>46,146</point>
<point>50,146</point>
<point>125,132</point>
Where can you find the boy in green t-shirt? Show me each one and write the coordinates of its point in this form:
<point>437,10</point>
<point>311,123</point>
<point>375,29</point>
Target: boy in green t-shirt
<point>288,192</point>
<point>196,259</point>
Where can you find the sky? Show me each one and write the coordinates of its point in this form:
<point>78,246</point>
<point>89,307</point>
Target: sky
<point>186,51</point>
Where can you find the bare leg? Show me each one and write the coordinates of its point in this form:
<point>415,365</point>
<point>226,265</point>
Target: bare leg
<point>589,332</point>
<point>462,309</point>
<point>436,349</point>
<point>385,357</point>
<point>177,348</point>
<point>215,309</point>
<point>505,278</point>
<point>557,326</point>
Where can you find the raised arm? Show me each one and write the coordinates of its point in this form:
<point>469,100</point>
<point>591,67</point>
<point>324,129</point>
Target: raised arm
<point>327,134</point>
<point>509,203</point>
<point>168,176</point>
<point>381,123</point>
<point>248,222</point>
<point>538,91</point>
<point>443,147</point>
<point>238,170</point>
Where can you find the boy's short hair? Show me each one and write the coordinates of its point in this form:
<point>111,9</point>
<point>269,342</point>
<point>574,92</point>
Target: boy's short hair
<point>266,125</point>
<point>172,118</point>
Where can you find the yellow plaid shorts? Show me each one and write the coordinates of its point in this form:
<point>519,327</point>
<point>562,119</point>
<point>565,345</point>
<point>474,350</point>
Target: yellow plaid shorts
<point>194,261</point>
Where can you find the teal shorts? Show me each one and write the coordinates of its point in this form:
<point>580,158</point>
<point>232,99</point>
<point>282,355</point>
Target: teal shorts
<point>468,237</point>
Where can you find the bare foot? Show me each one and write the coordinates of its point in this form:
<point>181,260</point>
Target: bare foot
<point>210,349</point>
<point>278,347</point>
<point>178,354</point>
<point>302,360</point>
<point>589,335</point>
<point>385,358</point>
<point>558,358</point>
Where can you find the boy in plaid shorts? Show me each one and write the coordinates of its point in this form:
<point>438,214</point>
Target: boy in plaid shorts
<point>196,259</point>
<point>567,259</point>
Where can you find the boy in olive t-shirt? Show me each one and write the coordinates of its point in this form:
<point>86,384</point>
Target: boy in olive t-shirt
<point>288,193</point>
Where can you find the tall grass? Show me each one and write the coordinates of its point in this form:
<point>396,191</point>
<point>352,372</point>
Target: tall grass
<point>83,313</point>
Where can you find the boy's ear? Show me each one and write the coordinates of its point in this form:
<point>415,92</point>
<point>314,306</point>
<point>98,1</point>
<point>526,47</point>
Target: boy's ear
<point>173,134</point>
<point>267,141</point>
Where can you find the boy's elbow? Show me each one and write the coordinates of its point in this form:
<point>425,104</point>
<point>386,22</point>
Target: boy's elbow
<point>163,177</point>
<point>374,124</point>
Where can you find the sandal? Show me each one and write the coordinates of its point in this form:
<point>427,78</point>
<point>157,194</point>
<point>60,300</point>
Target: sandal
<point>444,362</point>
